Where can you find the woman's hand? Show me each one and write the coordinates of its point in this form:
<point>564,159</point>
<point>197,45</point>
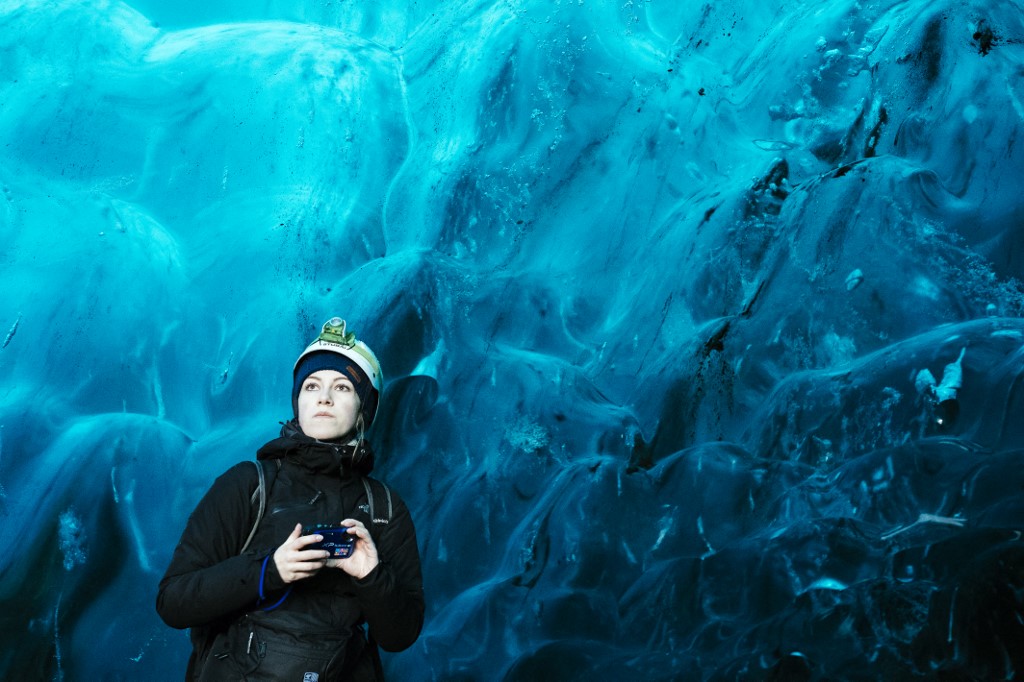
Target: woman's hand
<point>294,562</point>
<point>364,556</point>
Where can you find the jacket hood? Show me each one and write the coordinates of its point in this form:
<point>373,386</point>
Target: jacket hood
<point>318,455</point>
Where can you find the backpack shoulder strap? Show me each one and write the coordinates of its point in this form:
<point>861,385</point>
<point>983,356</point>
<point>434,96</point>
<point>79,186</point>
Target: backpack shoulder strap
<point>267,475</point>
<point>378,496</point>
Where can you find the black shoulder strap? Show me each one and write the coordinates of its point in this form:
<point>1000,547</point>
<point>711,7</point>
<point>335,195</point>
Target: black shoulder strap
<point>267,475</point>
<point>378,496</point>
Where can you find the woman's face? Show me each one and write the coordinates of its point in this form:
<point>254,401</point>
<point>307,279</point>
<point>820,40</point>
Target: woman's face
<point>328,405</point>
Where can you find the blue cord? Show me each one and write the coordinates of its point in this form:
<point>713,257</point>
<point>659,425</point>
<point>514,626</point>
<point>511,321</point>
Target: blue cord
<point>263,573</point>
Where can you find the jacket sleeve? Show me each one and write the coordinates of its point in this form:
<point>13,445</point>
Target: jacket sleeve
<point>391,596</point>
<point>207,579</point>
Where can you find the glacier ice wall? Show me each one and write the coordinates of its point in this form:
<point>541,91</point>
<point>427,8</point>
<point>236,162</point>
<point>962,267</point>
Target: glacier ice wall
<point>701,322</point>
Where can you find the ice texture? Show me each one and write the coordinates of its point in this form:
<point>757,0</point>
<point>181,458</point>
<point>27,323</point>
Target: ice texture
<point>700,322</point>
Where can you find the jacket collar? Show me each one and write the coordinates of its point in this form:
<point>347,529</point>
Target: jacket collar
<point>317,455</point>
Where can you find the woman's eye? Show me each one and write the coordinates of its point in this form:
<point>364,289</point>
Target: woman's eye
<point>311,386</point>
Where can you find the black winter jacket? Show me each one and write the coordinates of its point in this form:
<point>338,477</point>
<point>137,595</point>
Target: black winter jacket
<point>209,584</point>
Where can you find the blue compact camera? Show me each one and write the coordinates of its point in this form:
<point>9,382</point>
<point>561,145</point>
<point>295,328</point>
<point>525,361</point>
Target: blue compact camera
<point>337,540</point>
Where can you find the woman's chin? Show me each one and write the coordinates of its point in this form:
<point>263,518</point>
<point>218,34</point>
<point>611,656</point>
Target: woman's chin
<point>325,432</point>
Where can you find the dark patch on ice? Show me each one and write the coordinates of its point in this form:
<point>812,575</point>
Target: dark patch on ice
<point>708,213</point>
<point>844,169</point>
<point>876,133</point>
<point>768,192</point>
<point>830,151</point>
<point>929,57</point>
<point>985,38</point>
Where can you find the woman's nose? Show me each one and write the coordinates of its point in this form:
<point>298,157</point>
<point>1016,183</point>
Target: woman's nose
<point>324,397</point>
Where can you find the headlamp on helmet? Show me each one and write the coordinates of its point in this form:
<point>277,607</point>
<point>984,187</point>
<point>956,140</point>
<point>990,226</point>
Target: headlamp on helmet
<point>336,339</point>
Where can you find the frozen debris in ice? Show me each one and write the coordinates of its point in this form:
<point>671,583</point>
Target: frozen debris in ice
<point>952,379</point>
<point>11,332</point>
<point>854,279</point>
<point>527,435</point>
<point>71,539</point>
<point>991,310</point>
<point>926,518</point>
<point>227,369</point>
<point>925,382</point>
<point>943,392</point>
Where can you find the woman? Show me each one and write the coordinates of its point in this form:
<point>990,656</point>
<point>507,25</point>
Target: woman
<point>264,601</point>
